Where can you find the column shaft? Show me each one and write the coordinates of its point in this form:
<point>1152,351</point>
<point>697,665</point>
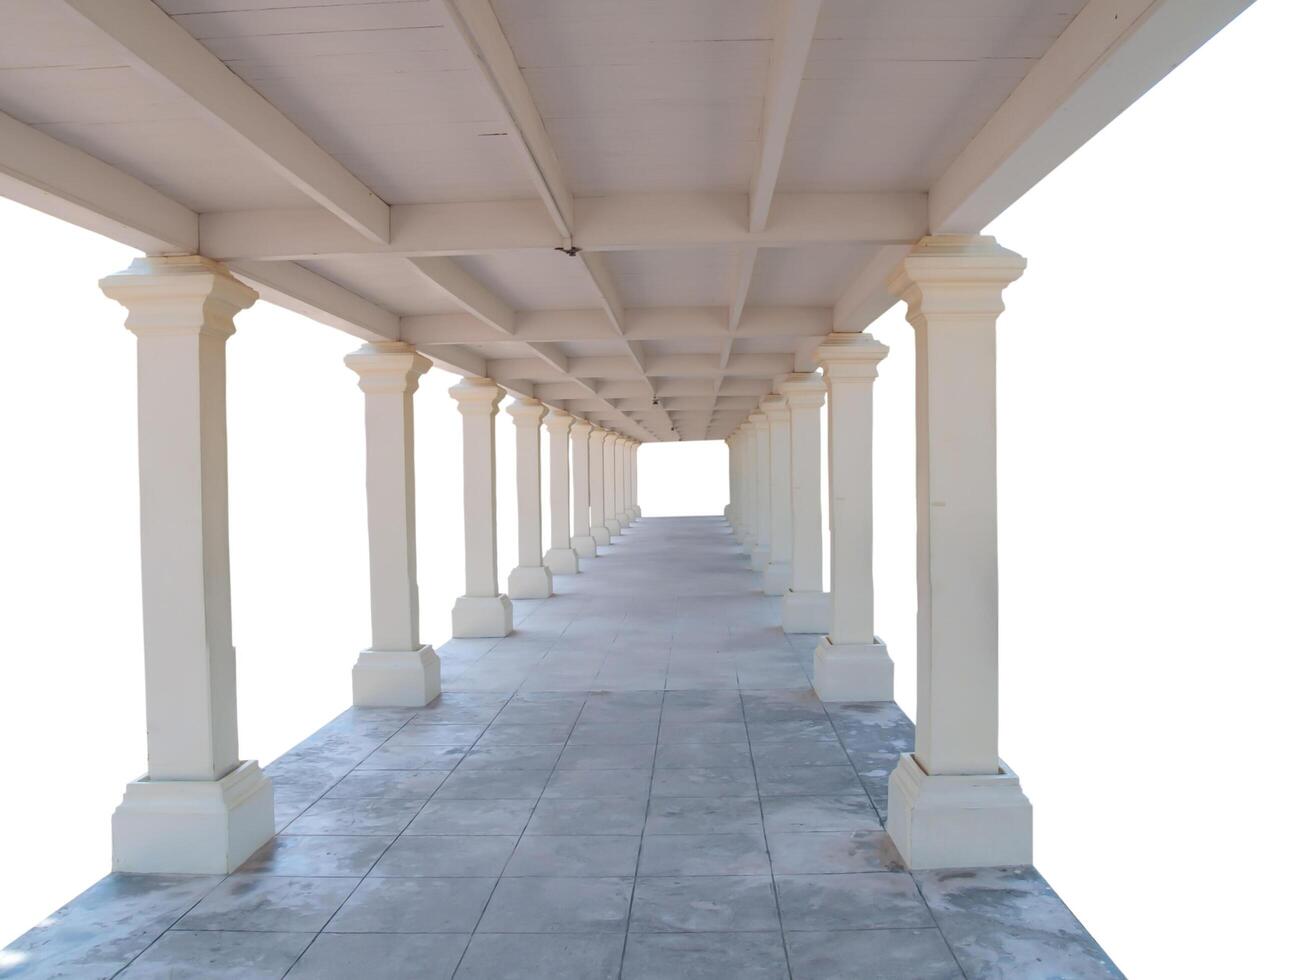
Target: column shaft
<point>561,559</point>
<point>776,576</point>
<point>748,516</point>
<point>598,529</point>
<point>583,541</point>
<point>200,809</point>
<point>761,477</point>
<point>806,608</point>
<point>530,579</point>
<point>621,476</point>
<point>610,485</point>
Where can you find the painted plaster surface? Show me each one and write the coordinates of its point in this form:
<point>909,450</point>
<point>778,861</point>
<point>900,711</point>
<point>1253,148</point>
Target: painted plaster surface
<point>638,780</point>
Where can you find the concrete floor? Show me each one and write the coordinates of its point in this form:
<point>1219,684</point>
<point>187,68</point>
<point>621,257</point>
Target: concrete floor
<point>638,782</point>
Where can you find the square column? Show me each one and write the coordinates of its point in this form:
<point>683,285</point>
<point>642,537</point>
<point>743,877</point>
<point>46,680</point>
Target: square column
<point>483,610</point>
<point>621,475</point>
<point>636,513</point>
<point>760,554</point>
<point>748,488</point>
<point>952,801</point>
<point>776,576</point>
<point>610,486</point>
<point>805,608</point>
<point>851,662</point>
<point>561,558</point>
<point>200,809</point>
<point>583,542</point>
<point>731,460</point>
<point>598,529</point>
<point>397,670</point>
<point>530,579</point>
<point>628,480</point>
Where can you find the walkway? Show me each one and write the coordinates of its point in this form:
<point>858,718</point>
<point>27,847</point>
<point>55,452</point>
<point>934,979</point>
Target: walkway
<point>638,782</point>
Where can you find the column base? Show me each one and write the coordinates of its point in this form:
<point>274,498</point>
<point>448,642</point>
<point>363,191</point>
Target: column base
<point>852,671</point>
<point>623,519</point>
<point>584,546</point>
<point>972,821</point>
<point>482,615</point>
<point>193,826</point>
<point>776,578</point>
<point>601,535</point>
<point>562,561</point>
<point>628,515</point>
<point>638,512</point>
<point>758,558</point>
<point>613,527</point>
<point>530,582</point>
<point>805,612</point>
<point>396,678</point>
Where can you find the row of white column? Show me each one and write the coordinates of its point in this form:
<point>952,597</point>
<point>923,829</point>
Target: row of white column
<point>952,800</point>
<point>200,808</point>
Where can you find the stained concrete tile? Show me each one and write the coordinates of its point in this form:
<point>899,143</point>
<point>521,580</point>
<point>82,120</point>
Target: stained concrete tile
<point>514,957</point>
<point>413,757</point>
<point>799,752</point>
<point>512,757</point>
<point>692,755</point>
<point>342,956</point>
<point>599,784</point>
<point>600,816</point>
<point>715,783</point>
<point>471,817</point>
<point>734,903</point>
<point>182,955</point>
<point>876,954</point>
<point>267,903</point>
<point>792,814</point>
<point>1003,922</point>
<point>809,781</point>
<point>307,856</point>
<point>414,905</point>
<point>501,733</point>
<point>493,784</point>
<point>705,956</point>
<point>447,856</point>
<point>833,852</point>
<point>675,732</point>
<point>562,905</point>
<point>640,756</point>
<point>695,815</point>
<point>704,854</point>
<point>831,902</point>
<point>388,783</point>
<point>635,733</point>
<point>574,856</point>
<point>356,817</point>
<point>437,734</point>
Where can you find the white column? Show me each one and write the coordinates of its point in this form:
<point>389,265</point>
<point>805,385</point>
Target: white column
<point>598,529</point>
<point>397,670</point>
<point>952,801</point>
<point>200,809</point>
<point>583,542</point>
<point>628,479</point>
<point>805,608</point>
<point>620,475</point>
<point>729,512</point>
<point>610,487</point>
<point>636,513</point>
<point>530,579</point>
<point>761,477</point>
<point>483,610</point>
<point>776,576</point>
<point>851,662</point>
<point>748,488</point>
<point>561,559</point>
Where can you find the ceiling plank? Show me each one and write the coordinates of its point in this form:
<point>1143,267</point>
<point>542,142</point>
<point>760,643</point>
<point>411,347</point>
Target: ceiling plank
<point>161,48</point>
<point>796,25</point>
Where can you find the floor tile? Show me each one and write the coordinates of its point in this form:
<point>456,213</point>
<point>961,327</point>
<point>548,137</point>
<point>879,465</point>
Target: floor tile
<point>791,814</point>
<point>266,903</point>
<point>675,733</point>
<point>599,784</point>
<point>391,783</point>
<point>716,783</point>
<point>833,852</point>
<point>218,956</point>
<point>691,755</point>
<point>512,734</point>
<point>601,816</point>
<point>589,856</point>
<point>512,757</point>
<point>704,854</point>
<point>809,781</point>
<point>414,905</point>
<point>413,757</point>
<point>514,957</point>
<point>355,817</point>
<point>735,903</point>
<point>342,956</point>
<point>799,752</point>
<point>695,815</point>
<point>471,817</point>
<point>331,856</point>
<point>548,905</point>
<point>826,903</point>
<point>446,856</point>
<point>493,784</point>
<point>635,733</point>
<point>607,756</point>
<point>426,733</point>
<point>876,954</point>
<point>705,956</point>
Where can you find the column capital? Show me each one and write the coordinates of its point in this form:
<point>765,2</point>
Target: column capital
<point>178,294</point>
<point>477,396</point>
<point>389,366</point>
<point>526,412</point>
<point>774,407</point>
<point>558,421</point>
<point>850,356</point>
<point>609,434</point>
<point>597,433</point>
<point>956,274</point>
<point>758,420</point>
<point>581,429</point>
<point>804,390</point>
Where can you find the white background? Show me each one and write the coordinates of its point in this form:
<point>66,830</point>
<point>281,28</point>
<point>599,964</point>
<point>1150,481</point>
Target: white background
<point>1152,535</point>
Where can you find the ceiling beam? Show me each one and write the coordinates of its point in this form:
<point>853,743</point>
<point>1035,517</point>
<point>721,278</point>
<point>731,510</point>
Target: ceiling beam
<point>868,296</point>
<point>296,288</point>
<point>796,25</point>
<point>162,49</point>
<point>1109,55</point>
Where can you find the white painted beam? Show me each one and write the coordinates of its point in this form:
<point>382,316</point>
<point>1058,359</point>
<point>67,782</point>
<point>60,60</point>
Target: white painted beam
<point>468,292</point>
<point>296,288</point>
<point>1111,54</point>
<point>868,296</point>
<point>161,48</point>
<point>796,25</point>
<point>60,180</point>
